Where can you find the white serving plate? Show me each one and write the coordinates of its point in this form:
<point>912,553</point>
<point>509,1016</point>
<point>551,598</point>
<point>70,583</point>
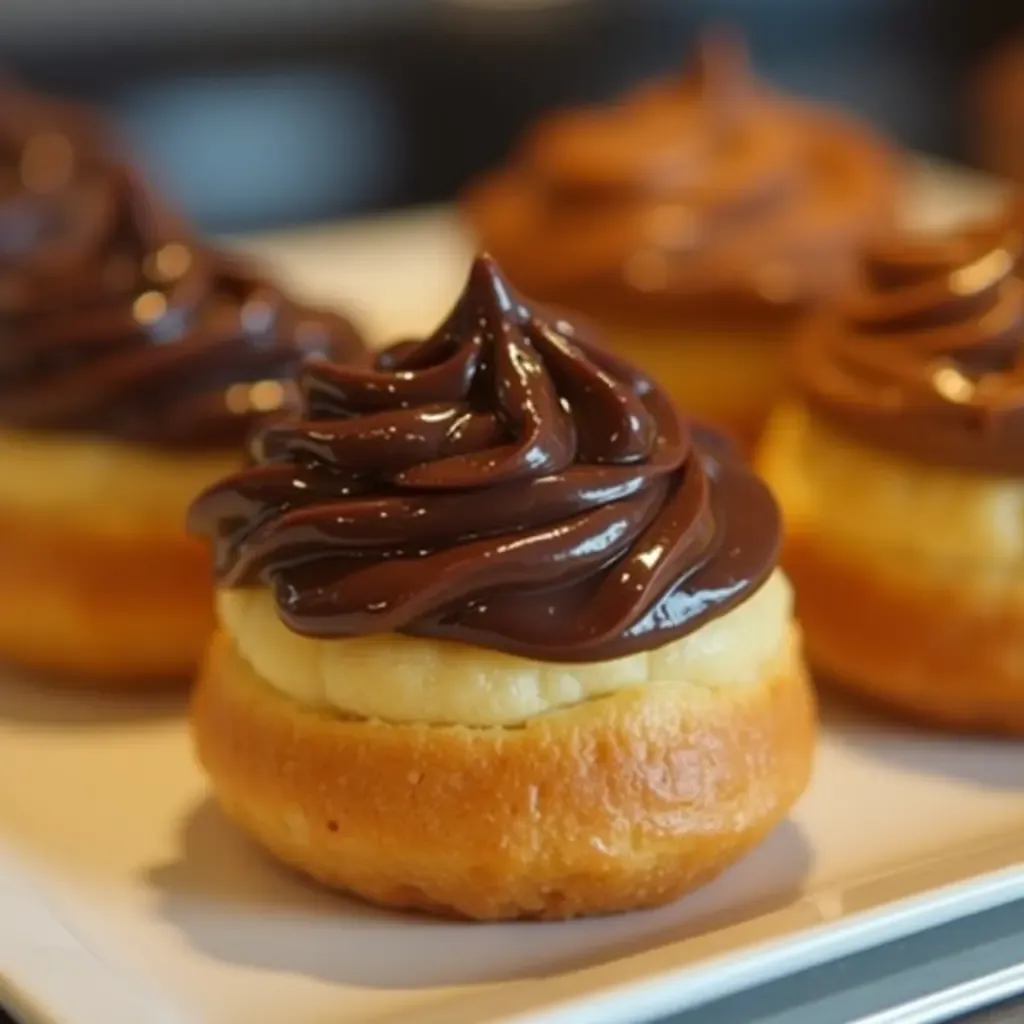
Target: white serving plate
<point>124,897</point>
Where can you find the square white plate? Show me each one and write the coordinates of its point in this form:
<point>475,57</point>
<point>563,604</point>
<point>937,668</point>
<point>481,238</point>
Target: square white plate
<point>125,897</point>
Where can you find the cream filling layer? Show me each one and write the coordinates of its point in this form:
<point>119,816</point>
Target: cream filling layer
<point>98,485</point>
<point>930,519</point>
<point>406,679</point>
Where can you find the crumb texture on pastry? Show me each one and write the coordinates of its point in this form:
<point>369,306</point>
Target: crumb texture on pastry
<point>107,486</point>
<point>405,679</point>
<point>619,803</point>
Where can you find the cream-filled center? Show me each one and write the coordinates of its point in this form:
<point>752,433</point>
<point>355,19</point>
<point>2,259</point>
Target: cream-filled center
<point>931,520</point>
<point>405,679</point>
<point>101,485</point>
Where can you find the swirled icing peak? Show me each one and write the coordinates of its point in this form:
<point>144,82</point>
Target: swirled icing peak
<point>506,483</point>
<point>115,319</point>
<point>926,355</point>
<point>705,191</point>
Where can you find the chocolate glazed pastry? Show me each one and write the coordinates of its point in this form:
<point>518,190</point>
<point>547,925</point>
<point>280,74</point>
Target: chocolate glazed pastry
<point>135,361</point>
<point>696,221</point>
<point>501,635</point>
<point>505,483</point>
<point>899,471</point>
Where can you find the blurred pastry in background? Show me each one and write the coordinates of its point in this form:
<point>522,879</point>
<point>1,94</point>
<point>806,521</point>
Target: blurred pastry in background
<point>695,221</point>
<point>135,361</point>
<point>500,634</point>
<point>900,471</point>
<point>997,111</point>
<point>1013,219</point>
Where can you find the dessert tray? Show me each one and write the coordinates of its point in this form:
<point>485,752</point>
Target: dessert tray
<point>124,896</point>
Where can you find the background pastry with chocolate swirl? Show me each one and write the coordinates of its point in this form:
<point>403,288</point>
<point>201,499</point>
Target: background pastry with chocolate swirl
<point>899,469</point>
<point>135,360</point>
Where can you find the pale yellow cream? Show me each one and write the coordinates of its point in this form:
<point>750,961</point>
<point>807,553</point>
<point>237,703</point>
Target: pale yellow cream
<point>926,519</point>
<point>102,486</point>
<point>403,679</point>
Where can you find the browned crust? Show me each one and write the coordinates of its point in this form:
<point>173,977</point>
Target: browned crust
<point>99,611</point>
<point>625,802</point>
<point>935,653</point>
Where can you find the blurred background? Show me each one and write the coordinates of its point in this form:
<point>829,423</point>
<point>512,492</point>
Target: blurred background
<point>262,113</point>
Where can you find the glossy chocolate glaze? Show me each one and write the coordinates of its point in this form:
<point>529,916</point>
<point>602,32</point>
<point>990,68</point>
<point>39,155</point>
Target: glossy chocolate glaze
<point>505,483</point>
<point>926,356</point>
<point>706,193</point>
<point>114,319</point>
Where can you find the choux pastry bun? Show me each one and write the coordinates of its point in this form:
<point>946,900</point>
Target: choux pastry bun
<point>501,634</point>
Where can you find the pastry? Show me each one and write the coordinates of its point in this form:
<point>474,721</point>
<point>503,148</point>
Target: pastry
<point>900,470</point>
<point>499,635</point>
<point>135,361</point>
<point>695,221</point>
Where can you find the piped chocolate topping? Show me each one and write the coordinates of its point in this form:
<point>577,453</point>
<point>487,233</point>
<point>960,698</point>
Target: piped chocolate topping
<point>706,193</point>
<point>926,356</point>
<point>114,318</point>
<point>506,483</point>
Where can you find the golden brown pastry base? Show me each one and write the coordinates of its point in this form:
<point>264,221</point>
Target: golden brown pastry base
<point>100,611</point>
<point>934,651</point>
<point>628,801</point>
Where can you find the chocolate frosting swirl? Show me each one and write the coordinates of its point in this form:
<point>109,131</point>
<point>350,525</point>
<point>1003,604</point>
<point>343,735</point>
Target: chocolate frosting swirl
<point>926,355</point>
<point>705,191</point>
<point>115,319</point>
<point>506,483</point>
